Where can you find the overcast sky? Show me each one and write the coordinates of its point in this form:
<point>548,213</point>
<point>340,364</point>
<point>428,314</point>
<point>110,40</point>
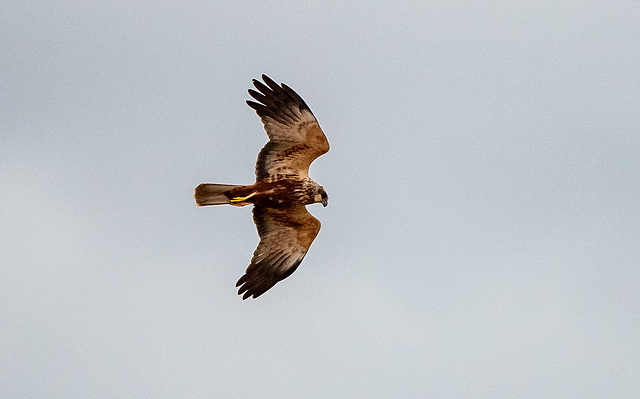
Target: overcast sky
<point>482,237</point>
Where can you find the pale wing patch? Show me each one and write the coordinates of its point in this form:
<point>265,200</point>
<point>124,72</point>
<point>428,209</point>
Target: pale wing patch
<point>278,158</point>
<point>292,128</point>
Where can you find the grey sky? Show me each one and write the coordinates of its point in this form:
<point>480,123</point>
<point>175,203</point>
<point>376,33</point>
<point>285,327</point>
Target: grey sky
<point>482,237</point>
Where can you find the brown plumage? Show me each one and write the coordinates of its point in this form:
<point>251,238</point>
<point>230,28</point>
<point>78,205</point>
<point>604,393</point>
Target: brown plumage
<point>282,188</point>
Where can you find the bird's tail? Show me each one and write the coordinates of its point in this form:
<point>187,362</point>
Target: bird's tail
<point>213,194</point>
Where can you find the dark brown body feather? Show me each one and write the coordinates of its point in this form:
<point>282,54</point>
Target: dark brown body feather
<point>282,192</point>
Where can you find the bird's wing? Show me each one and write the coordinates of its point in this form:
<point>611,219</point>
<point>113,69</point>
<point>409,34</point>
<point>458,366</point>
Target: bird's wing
<point>295,137</point>
<point>285,236</point>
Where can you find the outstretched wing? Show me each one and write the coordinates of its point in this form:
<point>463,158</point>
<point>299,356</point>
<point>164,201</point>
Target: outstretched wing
<point>285,236</point>
<point>295,137</point>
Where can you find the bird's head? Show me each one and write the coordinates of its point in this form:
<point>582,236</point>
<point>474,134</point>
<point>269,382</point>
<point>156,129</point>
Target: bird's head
<point>321,196</point>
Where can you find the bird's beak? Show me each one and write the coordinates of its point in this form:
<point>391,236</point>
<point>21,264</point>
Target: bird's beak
<point>325,201</point>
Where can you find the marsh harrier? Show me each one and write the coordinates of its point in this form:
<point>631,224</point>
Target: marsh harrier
<point>282,188</point>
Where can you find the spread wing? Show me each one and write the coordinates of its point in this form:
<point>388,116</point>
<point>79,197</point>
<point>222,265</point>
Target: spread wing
<point>295,137</point>
<point>285,236</point>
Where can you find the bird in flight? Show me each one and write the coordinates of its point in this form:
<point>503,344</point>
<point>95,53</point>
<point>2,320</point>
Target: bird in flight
<point>282,189</point>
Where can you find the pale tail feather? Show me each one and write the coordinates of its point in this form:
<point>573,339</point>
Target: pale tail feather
<point>212,194</point>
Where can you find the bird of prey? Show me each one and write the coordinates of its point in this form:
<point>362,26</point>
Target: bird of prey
<point>282,188</point>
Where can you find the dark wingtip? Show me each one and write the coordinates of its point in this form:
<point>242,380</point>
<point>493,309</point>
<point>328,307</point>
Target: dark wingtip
<point>265,78</point>
<point>254,104</point>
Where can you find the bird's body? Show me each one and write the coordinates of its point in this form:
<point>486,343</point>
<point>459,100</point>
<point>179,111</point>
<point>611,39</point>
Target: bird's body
<point>287,191</point>
<point>282,188</point>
